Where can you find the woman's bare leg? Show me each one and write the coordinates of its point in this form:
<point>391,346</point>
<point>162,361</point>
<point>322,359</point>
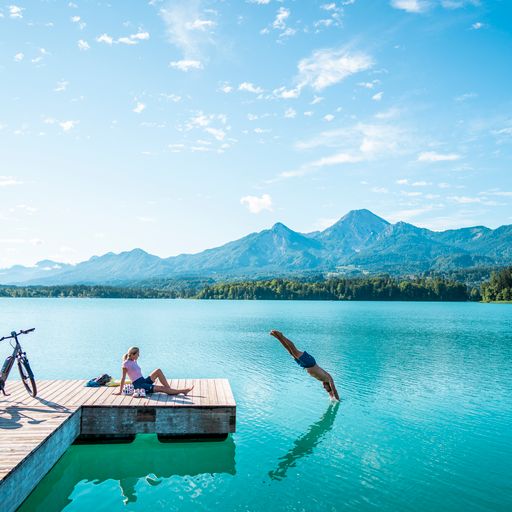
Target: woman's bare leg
<point>172,391</point>
<point>287,344</point>
<point>159,374</point>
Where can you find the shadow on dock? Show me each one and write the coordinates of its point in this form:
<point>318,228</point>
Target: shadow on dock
<point>306,443</point>
<point>147,460</point>
<point>15,416</point>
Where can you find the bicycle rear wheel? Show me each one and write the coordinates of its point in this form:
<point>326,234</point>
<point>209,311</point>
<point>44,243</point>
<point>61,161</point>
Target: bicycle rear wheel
<point>27,376</point>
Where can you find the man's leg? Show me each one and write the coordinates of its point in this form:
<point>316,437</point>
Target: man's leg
<point>287,344</point>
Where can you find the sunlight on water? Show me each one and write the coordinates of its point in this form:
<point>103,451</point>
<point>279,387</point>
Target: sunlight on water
<point>424,422</point>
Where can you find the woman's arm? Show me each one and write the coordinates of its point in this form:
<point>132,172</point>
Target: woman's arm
<point>123,378</point>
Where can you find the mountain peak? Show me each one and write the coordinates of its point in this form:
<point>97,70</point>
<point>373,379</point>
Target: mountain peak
<point>279,227</point>
<point>362,215</point>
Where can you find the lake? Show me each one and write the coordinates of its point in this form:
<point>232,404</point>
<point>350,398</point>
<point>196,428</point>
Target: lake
<point>424,423</point>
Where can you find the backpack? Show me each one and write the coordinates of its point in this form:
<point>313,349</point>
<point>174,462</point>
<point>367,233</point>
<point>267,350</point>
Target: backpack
<point>98,381</point>
<point>102,379</point>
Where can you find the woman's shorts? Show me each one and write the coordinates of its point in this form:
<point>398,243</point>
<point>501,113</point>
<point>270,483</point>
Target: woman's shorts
<point>306,360</point>
<point>144,383</point>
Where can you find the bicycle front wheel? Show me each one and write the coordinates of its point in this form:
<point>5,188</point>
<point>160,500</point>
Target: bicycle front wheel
<point>27,377</point>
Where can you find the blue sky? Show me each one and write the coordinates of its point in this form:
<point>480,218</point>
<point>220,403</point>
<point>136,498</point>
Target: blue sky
<point>177,126</point>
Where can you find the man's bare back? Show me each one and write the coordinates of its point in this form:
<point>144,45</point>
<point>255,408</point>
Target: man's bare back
<point>308,362</point>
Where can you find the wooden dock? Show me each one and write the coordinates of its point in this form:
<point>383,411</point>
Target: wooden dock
<point>35,432</point>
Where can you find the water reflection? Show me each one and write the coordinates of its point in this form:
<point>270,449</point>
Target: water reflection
<point>146,458</point>
<point>305,444</point>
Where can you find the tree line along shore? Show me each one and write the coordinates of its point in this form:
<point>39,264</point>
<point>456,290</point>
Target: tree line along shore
<point>383,288</point>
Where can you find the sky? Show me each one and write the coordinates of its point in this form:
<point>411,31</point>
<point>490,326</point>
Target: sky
<point>180,125</point>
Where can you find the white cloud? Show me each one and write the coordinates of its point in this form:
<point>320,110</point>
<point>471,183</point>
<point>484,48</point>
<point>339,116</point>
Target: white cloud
<point>16,12</point>
<point>78,20</point>
<point>337,159</point>
<point>249,87</point>
<point>286,94</point>
<point>458,4</point>
<point>19,57</point>
<point>290,113</point>
<point>134,39</point>
<point>61,86</point>
<point>328,67</point>
<point>420,184</point>
<point>500,193</point>
<point>465,199</point>
<point>257,204</point>
<point>140,107</point>
<point>432,156</point>
<point>7,181</point>
<point>68,125</point>
<point>218,133</point>
<point>282,15</point>
<point>466,96</point>
<point>186,65</point>
<point>402,181</point>
<point>477,26</point>
<point>41,54</point>
<point>415,6</point>
<point>127,41</point>
<point>105,38</point>
<point>200,24</point>
<point>259,2</point>
<point>131,40</point>
<point>328,118</point>
<point>187,28</point>
<point>226,88</point>
<point>378,96</point>
<point>140,36</point>
<point>380,190</point>
<point>83,45</point>
<point>405,215</point>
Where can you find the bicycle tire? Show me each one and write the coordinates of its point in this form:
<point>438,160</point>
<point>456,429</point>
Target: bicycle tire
<point>27,377</point>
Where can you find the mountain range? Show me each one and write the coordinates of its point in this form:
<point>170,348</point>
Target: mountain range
<point>360,242</point>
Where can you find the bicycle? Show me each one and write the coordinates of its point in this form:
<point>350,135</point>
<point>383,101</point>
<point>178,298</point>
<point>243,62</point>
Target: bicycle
<point>27,376</point>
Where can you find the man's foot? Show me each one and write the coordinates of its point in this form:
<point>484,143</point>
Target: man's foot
<point>276,334</point>
<point>186,391</point>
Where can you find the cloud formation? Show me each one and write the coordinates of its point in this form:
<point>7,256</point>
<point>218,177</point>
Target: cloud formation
<point>188,28</point>
<point>328,67</point>
<point>186,65</point>
<point>433,156</point>
<point>257,204</point>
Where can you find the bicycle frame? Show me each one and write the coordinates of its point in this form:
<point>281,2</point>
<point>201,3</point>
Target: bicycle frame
<point>17,354</point>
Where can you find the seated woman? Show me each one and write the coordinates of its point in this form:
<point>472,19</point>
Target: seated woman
<point>133,370</point>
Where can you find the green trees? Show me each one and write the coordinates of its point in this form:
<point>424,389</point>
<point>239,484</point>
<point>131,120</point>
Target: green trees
<point>499,287</point>
<point>371,288</point>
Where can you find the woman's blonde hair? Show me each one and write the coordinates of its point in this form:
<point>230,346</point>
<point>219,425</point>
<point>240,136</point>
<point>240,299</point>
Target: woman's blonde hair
<point>131,351</point>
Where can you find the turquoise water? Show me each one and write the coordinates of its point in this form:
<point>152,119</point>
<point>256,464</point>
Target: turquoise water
<point>424,423</point>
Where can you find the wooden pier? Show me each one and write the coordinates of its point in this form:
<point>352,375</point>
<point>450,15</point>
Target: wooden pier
<point>35,432</point>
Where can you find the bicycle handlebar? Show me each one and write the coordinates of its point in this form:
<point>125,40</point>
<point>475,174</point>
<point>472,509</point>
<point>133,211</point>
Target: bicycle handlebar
<point>14,333</point>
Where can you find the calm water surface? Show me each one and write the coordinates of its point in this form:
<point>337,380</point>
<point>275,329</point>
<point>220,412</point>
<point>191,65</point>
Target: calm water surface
<point>425,421</point>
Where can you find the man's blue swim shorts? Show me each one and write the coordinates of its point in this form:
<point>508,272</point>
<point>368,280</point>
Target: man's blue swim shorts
<point>306,360</point>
